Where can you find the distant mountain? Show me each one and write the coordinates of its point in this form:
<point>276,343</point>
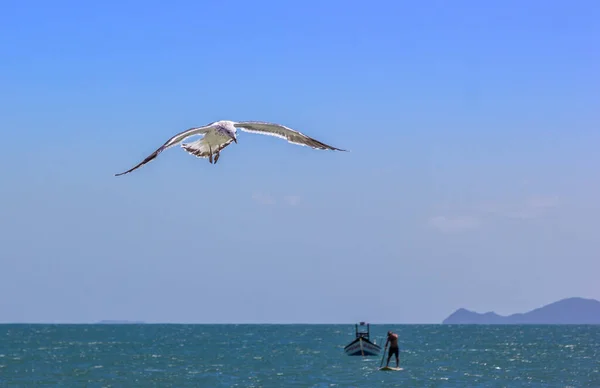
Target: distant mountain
<point>573,311</point>
<point>117,322</point>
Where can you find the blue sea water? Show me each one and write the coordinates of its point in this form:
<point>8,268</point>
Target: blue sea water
<point>295,356</point>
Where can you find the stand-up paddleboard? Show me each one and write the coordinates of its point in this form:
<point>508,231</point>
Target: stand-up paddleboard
<point>390,368</point>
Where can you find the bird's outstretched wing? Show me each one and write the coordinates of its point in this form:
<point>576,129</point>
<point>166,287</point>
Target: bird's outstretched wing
<point>283,132</point>
<point>170,143</point>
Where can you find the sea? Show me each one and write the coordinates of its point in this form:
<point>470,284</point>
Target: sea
<point>173,355</point>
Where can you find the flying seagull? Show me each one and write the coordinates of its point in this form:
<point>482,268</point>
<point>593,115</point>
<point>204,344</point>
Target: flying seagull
<point>220,134</point>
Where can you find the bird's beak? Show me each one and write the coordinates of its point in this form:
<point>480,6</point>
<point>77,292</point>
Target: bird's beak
<point>235,140</point>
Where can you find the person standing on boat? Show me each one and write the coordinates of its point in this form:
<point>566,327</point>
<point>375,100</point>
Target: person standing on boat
<point>392,339</point>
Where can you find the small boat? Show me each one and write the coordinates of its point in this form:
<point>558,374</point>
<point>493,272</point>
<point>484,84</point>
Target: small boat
<point>362,345</point>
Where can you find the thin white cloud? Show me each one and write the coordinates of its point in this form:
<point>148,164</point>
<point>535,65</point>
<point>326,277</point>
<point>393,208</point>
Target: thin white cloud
<point>268,199</point>
<point>263,198</point>
<point>454,224</point>
<point>292,200</point>
<point>533,207</point>
<point>530,208</point>
<point>544,202</point>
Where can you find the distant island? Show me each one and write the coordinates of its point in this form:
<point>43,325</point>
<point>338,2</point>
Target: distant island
<point>570,311</point>
<point>117,322</point>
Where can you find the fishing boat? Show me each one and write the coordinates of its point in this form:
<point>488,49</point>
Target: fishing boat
<point>362,345</point>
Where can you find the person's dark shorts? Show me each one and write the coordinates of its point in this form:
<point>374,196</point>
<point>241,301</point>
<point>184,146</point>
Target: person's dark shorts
<point>394,351</point>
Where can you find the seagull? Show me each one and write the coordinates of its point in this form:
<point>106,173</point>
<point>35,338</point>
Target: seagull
<point>220,134</point>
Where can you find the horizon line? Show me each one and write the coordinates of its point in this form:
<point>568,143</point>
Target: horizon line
<point>126,322</point>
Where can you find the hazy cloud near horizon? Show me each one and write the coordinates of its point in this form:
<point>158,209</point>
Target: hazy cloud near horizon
<point>481,214</point>
<point>268,199</point>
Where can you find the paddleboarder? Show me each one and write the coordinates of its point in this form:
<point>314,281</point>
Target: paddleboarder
<point>392,339</point>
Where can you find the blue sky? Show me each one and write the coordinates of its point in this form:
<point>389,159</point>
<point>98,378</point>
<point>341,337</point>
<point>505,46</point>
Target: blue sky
<point>472,179</point>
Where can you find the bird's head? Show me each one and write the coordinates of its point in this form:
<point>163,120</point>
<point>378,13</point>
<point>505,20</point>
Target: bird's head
<point>233,135</point>
<point>231,131</point>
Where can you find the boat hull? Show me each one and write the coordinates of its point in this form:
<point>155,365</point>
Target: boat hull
<point>362,347</point>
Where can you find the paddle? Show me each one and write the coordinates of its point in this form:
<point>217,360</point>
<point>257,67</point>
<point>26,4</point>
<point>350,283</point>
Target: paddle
<point>383,355</point>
